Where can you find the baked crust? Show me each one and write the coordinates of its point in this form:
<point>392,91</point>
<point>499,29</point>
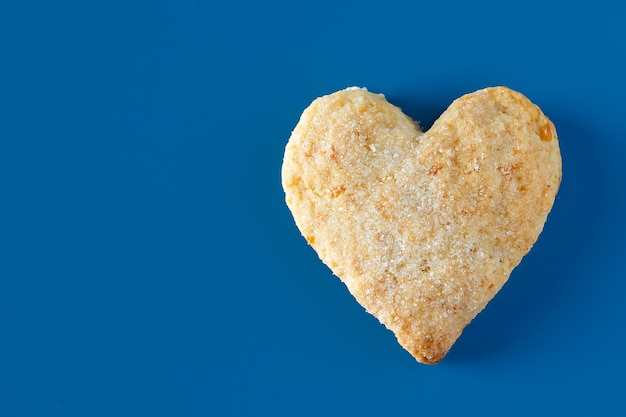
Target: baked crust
<point>423,228</point>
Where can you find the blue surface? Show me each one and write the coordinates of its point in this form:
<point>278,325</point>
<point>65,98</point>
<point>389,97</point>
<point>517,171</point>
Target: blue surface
<point>149,265</point>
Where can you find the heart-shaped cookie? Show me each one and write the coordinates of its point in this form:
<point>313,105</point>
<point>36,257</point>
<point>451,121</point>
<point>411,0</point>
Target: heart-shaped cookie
<point>423,228</point>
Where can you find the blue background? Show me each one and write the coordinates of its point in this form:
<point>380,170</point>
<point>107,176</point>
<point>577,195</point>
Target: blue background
<point>149,265</point>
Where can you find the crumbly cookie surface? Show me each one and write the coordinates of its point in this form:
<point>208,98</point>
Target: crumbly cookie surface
<point>423,228</point>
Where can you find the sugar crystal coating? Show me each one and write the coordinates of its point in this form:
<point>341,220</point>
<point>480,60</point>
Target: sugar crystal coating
<point>423,228</point>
